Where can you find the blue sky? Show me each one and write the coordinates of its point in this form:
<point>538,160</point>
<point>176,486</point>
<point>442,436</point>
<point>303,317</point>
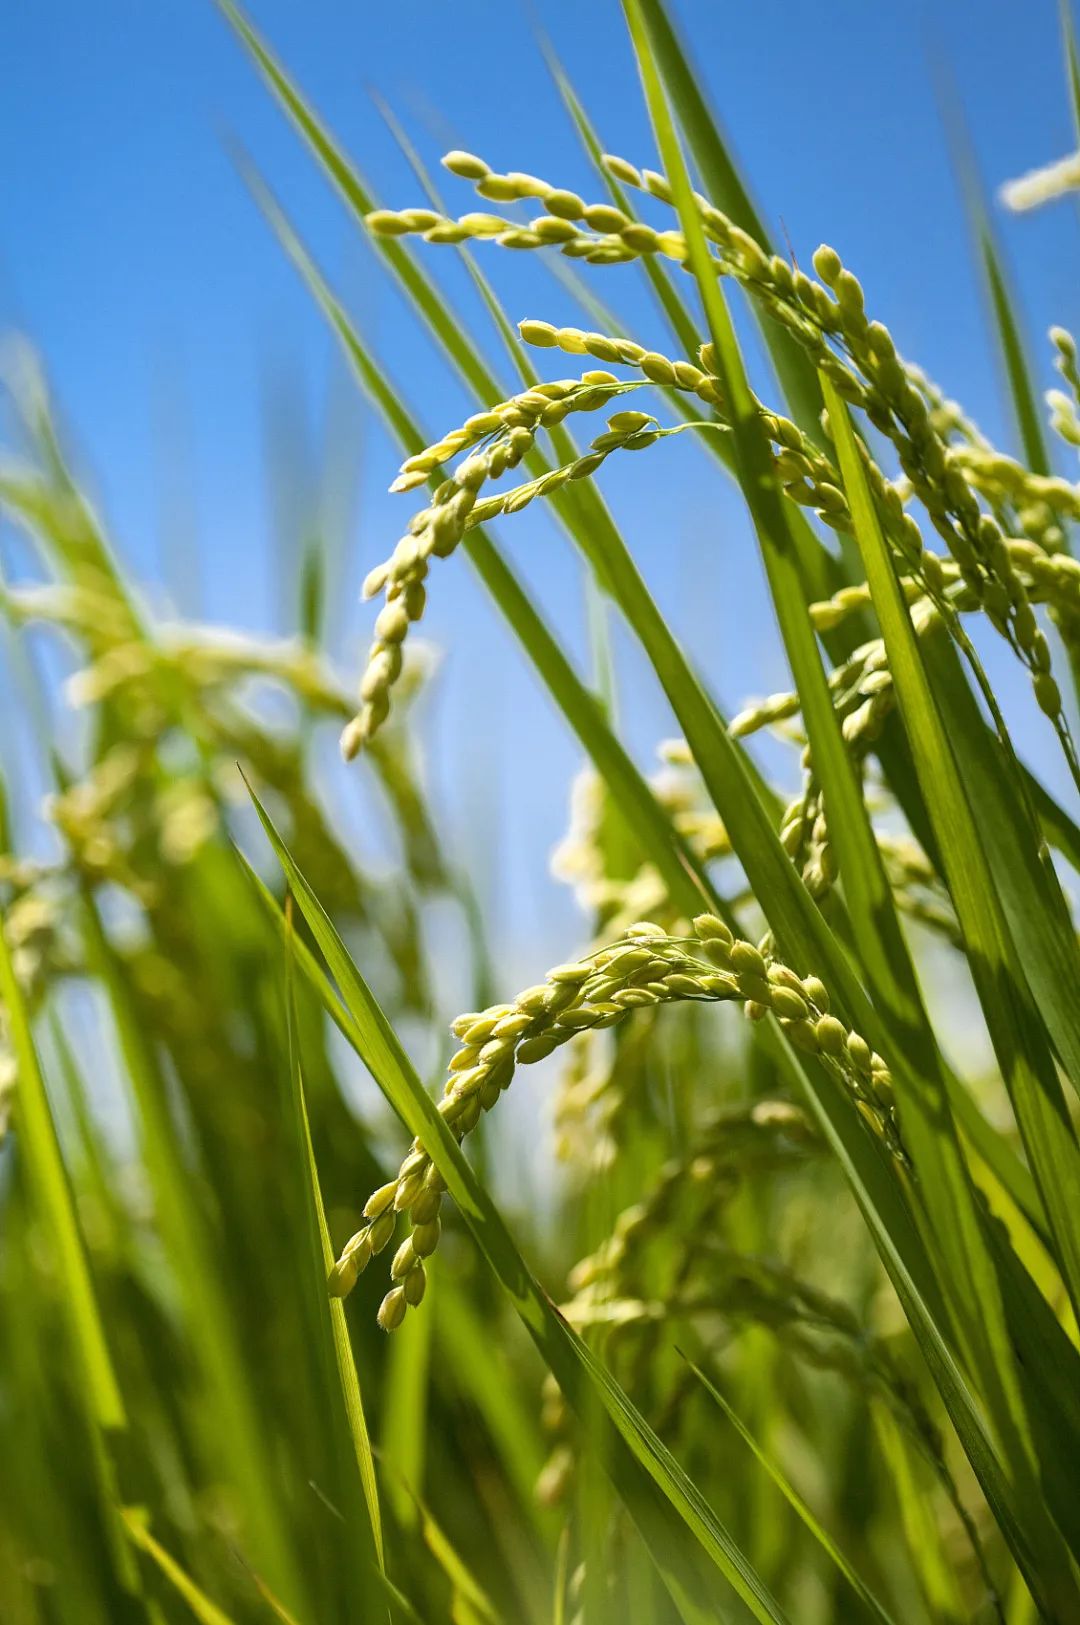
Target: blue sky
<point>132,256</point>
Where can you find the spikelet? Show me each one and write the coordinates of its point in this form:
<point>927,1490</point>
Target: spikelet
<point>498,441</point>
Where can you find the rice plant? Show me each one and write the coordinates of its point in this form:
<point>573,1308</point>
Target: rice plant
<point>793,1335</point>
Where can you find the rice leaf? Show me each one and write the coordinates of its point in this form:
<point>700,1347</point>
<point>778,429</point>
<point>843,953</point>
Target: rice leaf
<point>1014,1026</point>
<point>97,1383</point>
<point>870,1603</point>
<point>726,188</point>
<point>205,1611</point>
<point>329,1313</point>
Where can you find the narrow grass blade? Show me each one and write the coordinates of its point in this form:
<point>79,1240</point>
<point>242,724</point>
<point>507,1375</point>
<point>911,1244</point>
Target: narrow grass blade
<point>205,1611</point>
<point>97,1383</point>
<point>727,190</point>
<point>1031,897</point>
<point>1014,1026</point>
<point>1025,403</point>
<point>1012,351</point>
<point>897,1245</point>
<point>870,1603</point>
<point>561,1581</point>
<point>41,1147</point>
<point>329,1313</point>
<point>1057,827</point>
<point>405,1427</point>
<point>470,1602</point>
<point>936,1575</point>
<point>990,1144</point>
<point>400,1604</point>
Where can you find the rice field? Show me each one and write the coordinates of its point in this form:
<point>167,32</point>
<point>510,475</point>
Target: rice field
<point>730,1269</point>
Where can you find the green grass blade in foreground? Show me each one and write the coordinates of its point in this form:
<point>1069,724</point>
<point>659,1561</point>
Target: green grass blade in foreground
<point>890,1225</point>
<point>41,1149</point>
<point>462,1340</point>
<point>991,1146</point>
<point>1000,297</point>
<point>402,1607</point>
<point>1013,357</point>
<point>205,1611</point>
<point>96,1384</point>
<point>470,1603</point>
<point>343,1389</point>
<point>1014,1022</point>
<point>676,1522</point>
<point>405,1429</point>
<point>725,188</point>
<point>1014,1026</point>
<point>1027,884</point>
<point>1059,830</point>
<point>932,1563</point>
<point>871,1604</point>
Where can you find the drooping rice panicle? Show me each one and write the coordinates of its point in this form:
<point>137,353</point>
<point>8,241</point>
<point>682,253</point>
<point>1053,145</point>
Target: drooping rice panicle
<point>644,969</point>
<point>825,316</point>
<point>502,437</point>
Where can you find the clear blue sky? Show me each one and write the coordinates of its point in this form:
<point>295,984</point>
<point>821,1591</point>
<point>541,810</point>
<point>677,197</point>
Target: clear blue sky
<point>132,256</point>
